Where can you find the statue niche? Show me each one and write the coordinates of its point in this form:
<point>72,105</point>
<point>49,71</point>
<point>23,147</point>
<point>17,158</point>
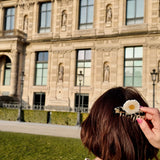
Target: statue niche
<point>60,72</point>
<point>25,24</point>
<point>109,14</point>
<point>106,72</point>
<point>64,20</point>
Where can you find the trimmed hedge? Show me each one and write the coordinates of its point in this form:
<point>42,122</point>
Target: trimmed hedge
<point>64,118</point>
<point>8,114</point>
<point>37,116</point>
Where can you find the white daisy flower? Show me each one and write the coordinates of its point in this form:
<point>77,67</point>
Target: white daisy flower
<point>131,106</point>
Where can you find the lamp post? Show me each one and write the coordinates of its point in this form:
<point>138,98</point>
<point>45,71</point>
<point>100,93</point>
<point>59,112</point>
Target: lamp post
<point>80,76</point>
<point>154,76</point>
<point>21,93</point>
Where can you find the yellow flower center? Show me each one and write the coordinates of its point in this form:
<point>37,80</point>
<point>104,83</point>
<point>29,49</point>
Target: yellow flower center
<point>131,107</point>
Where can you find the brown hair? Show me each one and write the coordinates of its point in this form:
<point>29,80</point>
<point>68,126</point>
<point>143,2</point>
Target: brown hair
<point>113,137</point>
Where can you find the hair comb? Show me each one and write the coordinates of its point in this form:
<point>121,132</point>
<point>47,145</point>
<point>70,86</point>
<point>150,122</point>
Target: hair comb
<point>130,109</point>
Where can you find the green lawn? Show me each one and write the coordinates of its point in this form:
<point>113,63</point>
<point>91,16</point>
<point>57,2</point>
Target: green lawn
<point>16,146</point>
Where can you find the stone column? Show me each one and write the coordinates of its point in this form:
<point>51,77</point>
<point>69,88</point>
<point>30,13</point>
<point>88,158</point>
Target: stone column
<point>14,75</point>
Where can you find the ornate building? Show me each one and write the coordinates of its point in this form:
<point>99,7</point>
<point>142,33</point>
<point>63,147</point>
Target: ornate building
<point>112,42</point>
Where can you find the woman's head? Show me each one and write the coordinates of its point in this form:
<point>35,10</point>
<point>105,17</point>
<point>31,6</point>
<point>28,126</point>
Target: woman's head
<point>113,137</point>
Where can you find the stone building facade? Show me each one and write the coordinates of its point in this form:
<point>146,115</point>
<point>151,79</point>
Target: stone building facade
<point>112,42</point>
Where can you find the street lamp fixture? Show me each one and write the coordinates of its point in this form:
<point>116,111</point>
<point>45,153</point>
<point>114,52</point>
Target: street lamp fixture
<point>80,76</point>
<point>154,77</point>
<point>20,118</point>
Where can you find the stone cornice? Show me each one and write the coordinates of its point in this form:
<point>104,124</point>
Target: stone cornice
<point>79,38</point>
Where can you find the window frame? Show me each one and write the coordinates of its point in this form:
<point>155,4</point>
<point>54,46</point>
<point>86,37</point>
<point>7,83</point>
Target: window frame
<point>83,68</point>
<point>135,18</point>
<point>43,63</point>
<point>79,18</point>
<point>5,19</point>
<point>82,96</point>
<point>41,94</point>
<point>5,69</point>
<point>133,59</point>
<point>46,13</point>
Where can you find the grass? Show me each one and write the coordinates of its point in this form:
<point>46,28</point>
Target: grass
<point>17,146</point>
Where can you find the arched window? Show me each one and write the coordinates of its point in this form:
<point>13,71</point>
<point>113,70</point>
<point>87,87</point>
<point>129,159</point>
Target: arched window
<point>7,72</point>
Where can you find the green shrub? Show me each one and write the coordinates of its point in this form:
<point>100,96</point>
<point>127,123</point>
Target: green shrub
<point>64,118</point>
<point>84,116</point>
<point>35,116</point>
<point>8,114</point>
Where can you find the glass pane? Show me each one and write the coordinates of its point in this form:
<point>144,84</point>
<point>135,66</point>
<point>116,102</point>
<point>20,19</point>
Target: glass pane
<point>139,8</point>
<point>81,55</point>
<point>138,81</point>
<point>43,7</point>
<point>39,73</point>
<point>13,11</point>
<point>128,81</point>
<point>48,19</point>
<point>88,64</point>
<point>45,72</point>
<point>45,65</point>
<point>8,26</point>
<point>129,52</point>
<point>43,19</point>
<point>38,80</point>
<point>88,26</point>
<point>139,21</point>
<point>129,22</point>
<point>138,52</point>
<point>12,23</point>
<point>90,2</point>
<point>137,63</point>
<point>8,11</point>
<point>87,72</point>
<point>130,9</point>
<point>45,56</point>
<point>40,56</point>
<point>128,71</point>
<point>7,77</point>
<point>80,64</point>
<point>80,69</point>
<point>39,65</point>
<point>49,6</point>
<point>138,71</point>
<point>83,2</point>
<point>7,73</point>
<point>83,15</point>
<point>44,82</point>
<point>87,81</point>
<point>88,55</point>
<point>128,63</point>
<point>90,14</point>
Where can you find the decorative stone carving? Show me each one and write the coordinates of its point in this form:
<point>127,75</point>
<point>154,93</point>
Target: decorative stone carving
<point>25,3</point>
<point>106,72</point>
<point>60,72</point>
<point>109,14</point>
<point>64,20</point>
<point>25,24</point>
<point>107,49</point>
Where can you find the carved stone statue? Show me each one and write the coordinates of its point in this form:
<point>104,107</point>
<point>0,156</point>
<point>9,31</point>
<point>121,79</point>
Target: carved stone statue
<point>60,72</point>
<point>109,14</point>
<point>64,20</point>
<point>25,25</point>
<point>106,72</point>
